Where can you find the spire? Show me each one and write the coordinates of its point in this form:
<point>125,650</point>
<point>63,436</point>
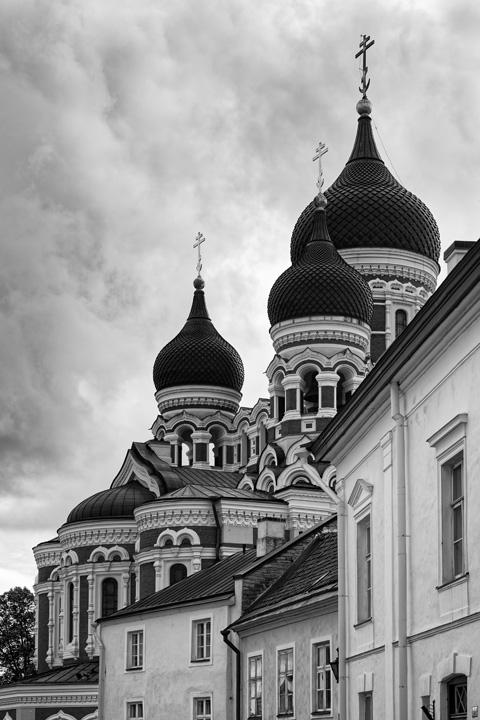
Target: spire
<point>364,147</point>
<point>199,307</point>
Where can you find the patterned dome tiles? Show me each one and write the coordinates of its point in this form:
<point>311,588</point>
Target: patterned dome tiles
<point>112,503</point>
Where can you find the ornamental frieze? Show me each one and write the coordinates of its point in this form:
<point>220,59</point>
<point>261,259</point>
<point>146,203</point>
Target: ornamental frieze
<point>246,518</point>
<point>48,558</point>
<point>98,536</point>
<point>150,520</point>
<point>315,335</point>
<point>50,700</point>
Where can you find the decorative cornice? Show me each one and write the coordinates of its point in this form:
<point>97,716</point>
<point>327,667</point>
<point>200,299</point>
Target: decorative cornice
<point>321,329</point>
<point>50,699</point>
<point>148,519</point>
<point>249,518</point>
<point>47,558</point>
<point>72,537</point>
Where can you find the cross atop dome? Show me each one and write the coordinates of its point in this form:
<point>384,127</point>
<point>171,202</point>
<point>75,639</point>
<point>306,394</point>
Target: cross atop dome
<point>364,45</point>
<point>199,240</point>
<point>319,152</point>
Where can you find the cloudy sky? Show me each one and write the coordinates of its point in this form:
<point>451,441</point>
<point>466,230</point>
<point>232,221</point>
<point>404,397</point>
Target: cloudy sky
<point>127,127</point>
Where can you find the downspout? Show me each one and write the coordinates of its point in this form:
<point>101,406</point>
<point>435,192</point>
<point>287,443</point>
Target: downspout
<point>342,612</point>
<point>401,551</point>
<point>238,688</point>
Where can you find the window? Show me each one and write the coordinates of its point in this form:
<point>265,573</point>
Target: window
<point>177,572</point>
<point>70,611</point>
<point>453,564</point>
<point>457,698</point>
<point>322,678</point>
<point>202,708</point>
<point>364,570</point>
<point>135,650</point>
<point>201,640</point>
<point>135,710</point>
<point>366,706</point>
<point>255,686</point>
<point>109,597</point>
<point>400,322</point>
<point>285,681</point>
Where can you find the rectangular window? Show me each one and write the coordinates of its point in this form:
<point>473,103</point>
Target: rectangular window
<point>364,570</point>
<point>285,682</point>
<point>453,545</point>
<point>135,710</point>
<point>366,707</point>
<point>201,641</point>
<point>255,686</point>
<point>202,708</point>
<point>322,678</point>
<point>135,650</point>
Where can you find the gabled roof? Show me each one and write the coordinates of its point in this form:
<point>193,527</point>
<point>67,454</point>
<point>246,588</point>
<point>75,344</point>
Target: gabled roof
<point>211,583</point>
<point>213,478</point>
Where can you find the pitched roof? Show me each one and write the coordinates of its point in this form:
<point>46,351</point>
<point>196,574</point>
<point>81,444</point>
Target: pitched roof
<point>312,574</point>
<point>208,492</point>
<point>79,673</point>
<point>213,582</point>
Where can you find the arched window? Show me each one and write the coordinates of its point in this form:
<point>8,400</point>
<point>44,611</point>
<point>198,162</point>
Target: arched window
<point>116,558</point>
<point>70,612</point>
<point>99,558</point>
<point>400,322</point>
<point>109,597</point>
<point>168,542</point>
<point>177,572</point>
<point>310,393</point>
<point>186,541</point>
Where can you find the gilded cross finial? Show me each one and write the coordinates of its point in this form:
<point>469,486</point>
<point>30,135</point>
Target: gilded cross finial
<point>364,45</point>
<point>199,240</point>
<point>321,150</point>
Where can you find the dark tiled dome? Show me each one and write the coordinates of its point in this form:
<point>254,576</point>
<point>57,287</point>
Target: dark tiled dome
<point>320,283</point>
<point>118,502</point>
<point>367,207</point>
<point>198,355</point>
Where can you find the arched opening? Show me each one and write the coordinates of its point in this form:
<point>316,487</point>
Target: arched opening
<point>457,699</point>
<point>100,559</point>
<point>302,481</point>
<point>242,447</point>
<point>185,450</point>
<point>216,449</point>
<point>400,322</point>
<point>277,401</point>
<point>177,572</point>
<point>262,436</point>
<point>168,543</point>
<point>109,597</point>
<point>186,542</point>
<point>341,394</point>
<point>116,558</point>
<point>310,393</point>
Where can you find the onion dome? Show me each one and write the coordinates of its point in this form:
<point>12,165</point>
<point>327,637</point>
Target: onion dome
<point>198,355</point>
<point>367,206</point>
<point>117,502</point>
<point>320,282</point>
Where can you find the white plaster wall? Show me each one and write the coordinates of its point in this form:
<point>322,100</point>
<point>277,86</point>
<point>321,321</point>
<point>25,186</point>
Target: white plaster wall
<point>169,680</point>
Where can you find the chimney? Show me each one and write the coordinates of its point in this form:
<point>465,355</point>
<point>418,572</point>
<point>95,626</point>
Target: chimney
<point>456,252</point>
<point>271,534</point>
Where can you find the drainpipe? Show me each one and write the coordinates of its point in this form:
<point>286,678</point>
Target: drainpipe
<point>342,612</point>
<point>401,551</point>
<point>225,634</point>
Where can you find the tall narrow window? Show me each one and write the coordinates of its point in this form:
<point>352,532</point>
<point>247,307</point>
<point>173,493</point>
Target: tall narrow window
<point>285,682</point>
<point>400,322</point>
<point>109,597</point>
<point>255,686</point>
<point>135,650</point>
<point>457,698</point>
<point>366,706</point>
<point>177,572</point>
<point>453,545</point>
<point>201,640</point>
<point>202,708</point>
<point>364,570</point>
<point>70,611</point>
<point>322,678</point>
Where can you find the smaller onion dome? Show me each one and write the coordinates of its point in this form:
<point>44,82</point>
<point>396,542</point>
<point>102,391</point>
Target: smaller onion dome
<point>320,282</point>
<point>198,355</point>
<point>117,502</point>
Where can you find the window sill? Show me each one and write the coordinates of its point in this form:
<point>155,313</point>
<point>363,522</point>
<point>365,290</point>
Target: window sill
<point>134,669</point>
<point>321,713</point>
<point>451,583</point>
<point>201,661</point>
<point>361,623</point>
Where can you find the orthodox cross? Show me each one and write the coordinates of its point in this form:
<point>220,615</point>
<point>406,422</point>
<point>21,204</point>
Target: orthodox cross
<point>364,45</point>
<point>321,150</point>
<point>200,239</point>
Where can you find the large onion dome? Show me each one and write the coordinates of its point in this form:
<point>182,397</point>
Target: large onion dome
<point>117,502</point>
<point>198,355</point>
<point>320,282</point>
<point>367,206</point>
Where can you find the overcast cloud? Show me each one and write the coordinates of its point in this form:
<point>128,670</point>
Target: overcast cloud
<point>126,128</point>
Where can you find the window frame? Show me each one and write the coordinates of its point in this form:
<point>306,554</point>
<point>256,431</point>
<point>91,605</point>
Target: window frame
<point>195,623</point>
<point>131,702</point>
<point>281,649</point>
<point>364,567</point>
<point>255,656</point>
<point>203,697</point>
<point>130,632</point>
<point>329,687</point>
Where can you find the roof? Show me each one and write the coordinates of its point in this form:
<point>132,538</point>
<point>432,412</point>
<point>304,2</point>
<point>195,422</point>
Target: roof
<point>213,582</point>
<point>212,478</point>
<point>206,492</point>
<point>462,281</point>
<point>198,355</point>
<point>81,673</point>
<point>368,207</point>
<point>116,502</point>
<point>313,573</point>
<point>320,282</point>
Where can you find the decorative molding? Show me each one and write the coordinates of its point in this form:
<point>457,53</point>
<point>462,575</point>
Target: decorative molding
<point>47,558</point>
<point>72,699</point>
<point>249,518</point>
<point>321,335</point>
<point>361,492</point>
<point>148,519</point>
<point>71,538</point>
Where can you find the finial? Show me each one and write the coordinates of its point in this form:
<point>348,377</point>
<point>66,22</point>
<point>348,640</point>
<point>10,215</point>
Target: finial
<point>364,45</point>
<point>199,240</point>
<point>321,150</point>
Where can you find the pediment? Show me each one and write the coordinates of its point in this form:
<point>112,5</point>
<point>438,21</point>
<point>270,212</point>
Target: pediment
<point>361,493</point>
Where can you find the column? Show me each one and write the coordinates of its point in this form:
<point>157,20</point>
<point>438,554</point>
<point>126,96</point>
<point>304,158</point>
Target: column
<point>292,385</point>
<point>90,646</point>
<point>200,439</point>
<point>175,443</point>
<point>51,625</point>
<point>158,575</point>
<point>327,393</point>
